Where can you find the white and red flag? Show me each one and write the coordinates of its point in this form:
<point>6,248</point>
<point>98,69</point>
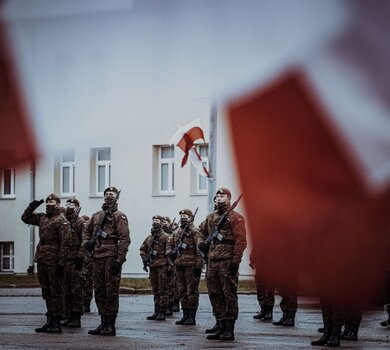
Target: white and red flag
<point>185,139</point>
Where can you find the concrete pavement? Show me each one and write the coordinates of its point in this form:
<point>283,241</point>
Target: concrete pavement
<point>19,315</point>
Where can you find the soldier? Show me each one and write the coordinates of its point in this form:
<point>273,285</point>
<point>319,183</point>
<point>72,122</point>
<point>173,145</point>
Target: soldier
<point>109,253</point>
<point>265,296</point>
<point>224,257</point>
<point>153,253</point>
<point>173,294</point>
<point>88,277</point>
<point>73,281</point>
<point>289,306</point>
<point>51,254</point>
<point>188,264</point>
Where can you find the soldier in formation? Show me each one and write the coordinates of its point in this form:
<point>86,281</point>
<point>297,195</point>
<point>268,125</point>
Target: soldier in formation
<point>51,256</point>
<point>153,253</point>
<point>107,238</point>
<point>188,266</point>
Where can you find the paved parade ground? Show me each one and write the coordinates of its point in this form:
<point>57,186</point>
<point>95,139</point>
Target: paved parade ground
<point>21,310</point>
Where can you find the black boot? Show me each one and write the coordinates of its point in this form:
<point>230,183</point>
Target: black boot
<point>345,331</point>
<point>325,337</point>
<point>334,340</point>
<point>280,322</point>
<point>154,315</point>
<point>44,328</point>
<point>353,330</point>
<point>320,330</point>
<point>219,331</point>
<point>87,307</point>
<point>176,306</point>
<point>228,334</point>
<point>101,326</point>
<point>213,329</point>
<point>290,320</point>
<point>169,310</point>
<point>66,318</point>
<point>184,318</point>
<point>190,321</point>
<point>260,315</point>
<point>161,314</point>
<point>109,329</point>
<point>55,326</point>
<point>268,313</point>
<point>76,320</point>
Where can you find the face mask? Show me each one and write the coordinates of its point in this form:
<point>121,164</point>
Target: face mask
<point>156,226</point>
<point>222,207</point>
<point>69,211</point>
<point>108,203</point>
<point>50,210</point>
<point>183,222</point>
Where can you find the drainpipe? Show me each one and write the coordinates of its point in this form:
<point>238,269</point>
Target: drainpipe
<point>212,180</point>
<point>30,269</point>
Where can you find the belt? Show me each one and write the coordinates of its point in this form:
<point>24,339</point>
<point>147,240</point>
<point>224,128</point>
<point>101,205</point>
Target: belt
<point>225,241</point>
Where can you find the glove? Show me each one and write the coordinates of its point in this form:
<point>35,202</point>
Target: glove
<point>172,255</point>
<point>203,247</point>
<point>35,204</point>
<point>60,271</point>
<point>78,263</point>
<point>197,272</point>
<point>115,268</point>
<point>233,269</point>
<point>169,272</point>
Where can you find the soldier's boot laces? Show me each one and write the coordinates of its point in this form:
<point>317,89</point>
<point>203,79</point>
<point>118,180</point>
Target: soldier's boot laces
<point>213,329</point>
<point>55,326</point>
<point>353,330</point>
<point>219,331</point>
<point>334,340</point>
<point>109,329</point>
<point>290,320</point>
<point>280,322</point>
<point>228,334</point>
<point>99,328</point>
<point>324,338</point>
<point>190,321</point>
<point>184,318</point>
<point>268,313</point>
<point>44,328</point>
<point>76,320</point>
<point>260,315</point>
<point>154,315</point>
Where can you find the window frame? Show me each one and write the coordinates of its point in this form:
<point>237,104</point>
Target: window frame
<point>107,171</point>
<point>171,172</point>
<point>12,194</point>
<point>72,169</point>
<point>11,256</point>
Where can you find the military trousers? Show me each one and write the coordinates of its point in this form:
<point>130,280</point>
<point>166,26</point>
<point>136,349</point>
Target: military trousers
<point>265,294</point>
<point>73,288</point>
<point>106,286</point>
<point>88,280</point>
<point>188,285</point>
<point>51,286</point>
<point>159,281</point>
<point>222,289</point>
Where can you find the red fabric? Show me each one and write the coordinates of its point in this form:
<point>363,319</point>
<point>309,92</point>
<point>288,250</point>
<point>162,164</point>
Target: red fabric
<point>187,141</point>
<point>16,141</point>
<point>311,224</point>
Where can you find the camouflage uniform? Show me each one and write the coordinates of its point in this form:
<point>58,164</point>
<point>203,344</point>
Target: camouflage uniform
<point>74,276</point>
<point>222,268</point>
<point>158,241</point>
<point>51,253</point>
<point>111,253</point>
<point>188,269</point>
<point>88,283</point>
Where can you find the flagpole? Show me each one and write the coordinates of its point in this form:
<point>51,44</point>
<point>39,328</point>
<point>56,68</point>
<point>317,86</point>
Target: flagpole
<point>212,153</point>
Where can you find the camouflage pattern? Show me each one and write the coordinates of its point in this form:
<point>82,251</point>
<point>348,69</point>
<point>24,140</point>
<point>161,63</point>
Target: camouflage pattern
<point>113,248</point>
<point>52,250</point>
<point>88,280</point>
<point>173,291</point>
<point>185,263</point>
<point>74,278</point>
<point>222,286</point>
<point>158,272</point>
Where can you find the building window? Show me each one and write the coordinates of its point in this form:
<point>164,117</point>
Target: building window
<point>6,256</point>
<point>164,170</point>
<point>8,183</point>
<point>102,169</point>
<point>199,183</point>
<point>67,174</point>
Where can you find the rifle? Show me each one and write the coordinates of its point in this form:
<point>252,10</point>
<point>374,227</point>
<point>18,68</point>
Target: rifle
<point>180,245</point>
<point>151,253</point>
<point>98,234</point>
<point>216,235</point>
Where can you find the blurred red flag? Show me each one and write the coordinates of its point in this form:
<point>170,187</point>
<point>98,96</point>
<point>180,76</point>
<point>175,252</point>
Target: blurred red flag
<point>16,142</point>
<point>309,217</point>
